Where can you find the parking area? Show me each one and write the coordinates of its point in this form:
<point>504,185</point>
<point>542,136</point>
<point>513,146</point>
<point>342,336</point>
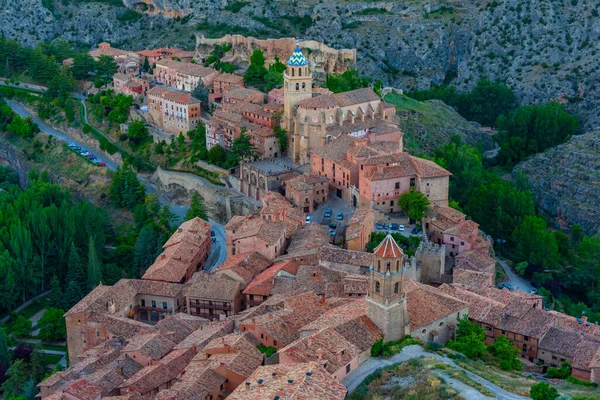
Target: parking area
<point>337,207</point>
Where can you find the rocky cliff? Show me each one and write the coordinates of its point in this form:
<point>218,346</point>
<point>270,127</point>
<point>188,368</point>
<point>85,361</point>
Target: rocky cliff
<point>565,182</point>
<point>323,58</point>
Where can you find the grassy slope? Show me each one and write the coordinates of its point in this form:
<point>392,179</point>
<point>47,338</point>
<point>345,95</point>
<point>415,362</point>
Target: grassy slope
<point>430,124</point>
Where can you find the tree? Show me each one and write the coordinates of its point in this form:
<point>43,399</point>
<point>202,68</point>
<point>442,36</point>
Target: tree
<point>37,369</point>
<point>17,379</point>
<point>507,353</point>
<point>414,203</point>
<point>4,354</point>
<point>38,225</point>
<point>534,244</point>
<point>55,299</point>
<point>197,208</point>
<point>73,294</point>
<point>281,135</point>
<point>470,339</point>
<point>75,271</point>
<point>106,67</point>
<point>147,248</point>
<point>217,155</point>
<point>200,92</point>
<point>146,66</point>
<point>22,248</point>
<point>543,391</point>
<point>22,327</point>
<point>488,100</point>
<point>94,270</point>
<point>559,373</point>
<point>256,72</point>
<point>349,80</point>
<point>83,66</point>
<point>52,325</point>
<point>241,149</point>
<point>137,131</point>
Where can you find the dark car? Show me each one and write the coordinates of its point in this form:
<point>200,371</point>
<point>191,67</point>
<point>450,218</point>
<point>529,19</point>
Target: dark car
<point>332,225</point>
<point>328,213</point>
<point>414,231</point>
<point>90,156</point>
<point>378,225</point>
<point>386,226</point>
<point>212,233</point>
<point>340,216</point>
<point>394,227</point>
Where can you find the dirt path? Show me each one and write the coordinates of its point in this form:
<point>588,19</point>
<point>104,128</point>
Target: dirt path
<point>354,378</point>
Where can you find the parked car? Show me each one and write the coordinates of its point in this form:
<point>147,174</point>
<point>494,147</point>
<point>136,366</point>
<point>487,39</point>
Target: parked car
<point>102,164</point>
<point>386,226</point>
<point>90,156</point>
<point>394,227</point>
<point>401,228</point>
<point>415,230</point>
<point>378,225</point>
<point>214,240</point>
<point>75,147</point>
<point>308,219</point>
<point>84,153</point>
<point>340,216</point>
<point>332,225</point>
<point>332,232</point>
<point>328,213</point>
<point>212,233</point>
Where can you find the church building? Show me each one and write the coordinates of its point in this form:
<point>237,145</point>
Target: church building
<point>313,119</point>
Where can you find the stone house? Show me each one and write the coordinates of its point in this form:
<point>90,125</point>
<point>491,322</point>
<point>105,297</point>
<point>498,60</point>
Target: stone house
<point>244,267</point>
<point>183,254</point>
<point>173,111</point>
<point>360,228</point>
<point>128,62</point>
<point>183,76</point>
<point>147,348</point>
<point>130,85</point>
<point>154,55</point>
<point>277,208</point>
<point>307,191</point>
<point>474,268</point>
<point>260,177</point>
<point>221,84</point>
<point>259,289</point>
<point>253,233</point>
<point>214,297</point>
<point>239,94</point>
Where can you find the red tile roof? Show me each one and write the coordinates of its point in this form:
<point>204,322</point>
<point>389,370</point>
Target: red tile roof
<point>172,95</point>
<point>388,248</point>
<point>82,389</point>
<point>426,304</point>
<point>245,266</point>
<point>307,381</point>
<point>262,284</point>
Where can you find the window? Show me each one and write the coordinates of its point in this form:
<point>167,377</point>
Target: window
<point>396,287</point>
<point>554,357</point>
<point>452,238</point>
<point>424,331</point>
<point>143,302</point>
<point>262,336</point>
<point>274,343</point>
<point>377,287</point>
<point>347,368</point>
<point>164,305</point>
<point>293,72</point>
<point>441,323</point>
<point>297,86</point>
<point>526,338</point>
<point>154,303</point>
<point>397,185</point>
<point>303,85</point>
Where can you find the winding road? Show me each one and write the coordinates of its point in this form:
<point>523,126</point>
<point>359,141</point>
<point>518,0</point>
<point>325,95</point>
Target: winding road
<point>355,378</point>
<point>218,249</point>
<point>516,281</point>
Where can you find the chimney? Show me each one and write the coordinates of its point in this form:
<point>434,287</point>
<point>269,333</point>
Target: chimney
<point>179,229</point>
<point>309,340</point>
<point>163,255</point>
<point>247,385</point>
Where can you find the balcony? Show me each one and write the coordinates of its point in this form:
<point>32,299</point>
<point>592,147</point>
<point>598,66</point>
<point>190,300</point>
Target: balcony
<point>213,306</point>
<point>138,308</point>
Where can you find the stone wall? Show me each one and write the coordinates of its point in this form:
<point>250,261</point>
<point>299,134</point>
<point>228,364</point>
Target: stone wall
<point>221,202</point>
<point>323,59</point>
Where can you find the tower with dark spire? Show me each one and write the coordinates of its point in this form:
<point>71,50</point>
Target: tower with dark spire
<point>386,301</point>
<point>297,87</point>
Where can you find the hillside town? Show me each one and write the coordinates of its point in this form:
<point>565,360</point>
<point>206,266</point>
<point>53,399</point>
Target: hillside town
<point>300,300</point>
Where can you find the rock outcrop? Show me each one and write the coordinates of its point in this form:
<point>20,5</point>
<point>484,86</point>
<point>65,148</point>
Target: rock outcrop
<point>565,181</point>
<point>323,58</point>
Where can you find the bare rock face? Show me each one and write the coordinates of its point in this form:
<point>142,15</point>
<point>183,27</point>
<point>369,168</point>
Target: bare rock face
<point>168,8</point>
<point>323,58</point>
<point>565,182</point>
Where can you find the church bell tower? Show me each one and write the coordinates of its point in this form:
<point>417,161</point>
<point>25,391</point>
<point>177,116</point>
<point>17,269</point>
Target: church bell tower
<point>386,301</point>
<point>297,87</point>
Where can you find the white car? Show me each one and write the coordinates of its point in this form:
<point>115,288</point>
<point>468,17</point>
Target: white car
<point>401,228</point>
<point>308,219</point>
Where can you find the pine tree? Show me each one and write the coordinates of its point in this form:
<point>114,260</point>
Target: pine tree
<point>73,294</point>
<point>55,298</point>
<point>37,367</point>
<point>4,354</point>
<point>75,268</point>
<point>94,267</point>
<point>146,248</point>
<point>17,379</point>
<point>196,208</point>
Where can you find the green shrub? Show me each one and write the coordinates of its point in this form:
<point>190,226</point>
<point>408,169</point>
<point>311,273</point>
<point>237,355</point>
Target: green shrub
<point>559,373</point>
<point>268,351</point>
<point>576,381</point>
<point>22,327</point>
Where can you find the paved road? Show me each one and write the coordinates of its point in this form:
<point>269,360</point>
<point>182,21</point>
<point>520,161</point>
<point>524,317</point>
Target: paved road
<point>22,306</point>
<point>516,281</point>
<point>354,378</point>
<point>218,249</point>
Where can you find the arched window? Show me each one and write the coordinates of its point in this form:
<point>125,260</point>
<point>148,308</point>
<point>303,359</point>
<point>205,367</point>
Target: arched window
<point>303,85</point>
<point>299,71</point>
<point>388,265</point>
<point>397,265</point>
<point>292,71</point>
<point>297,86</point>
<point>397,287</point>
<point>377,287</point>
<point>379,265</point>
<point>306,70</point>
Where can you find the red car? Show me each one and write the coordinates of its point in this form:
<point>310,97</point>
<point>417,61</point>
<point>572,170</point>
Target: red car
<point>102,164</point>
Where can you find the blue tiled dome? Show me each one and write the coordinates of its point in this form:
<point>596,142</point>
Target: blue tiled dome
<point>297,58</point>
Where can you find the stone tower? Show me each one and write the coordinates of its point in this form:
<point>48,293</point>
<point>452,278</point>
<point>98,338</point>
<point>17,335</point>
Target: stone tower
<point>431,258</point>
<point>297,87</point>
<point>386,301</point>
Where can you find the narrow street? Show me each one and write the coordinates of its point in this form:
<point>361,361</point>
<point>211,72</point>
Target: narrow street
<point>515,281</point>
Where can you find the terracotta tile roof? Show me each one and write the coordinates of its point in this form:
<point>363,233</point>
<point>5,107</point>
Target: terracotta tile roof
<point>151,345</point>
<point>229,78</point>
<point>82,389</point>
<point>203,335</point>
<point>179,326</point>
<point>173,95</point>
<point>154,376</point>
<point>308,238</point>
<point>245,266</point>
<point>567,321</point>
<point>475,260</point>
<point>428,169</point>
<point>306,183</point>
<point>564,341</point>
<point>472,278</point>
<point>356,284</point>
<point>116,325</point>
<point>109,51</point>
<point>334,254</point>
<point>357,222</point>
<point>449,213</point>
<point>349,320</point>
<point>237,92</point>
<point>212,287</point>
<point>112,375</point>
<point>426,304</point>
<point>337,149</point>
<point>262,284</point>
<point>317,279</point>
<point>388,248</point>
<point>464,229</point>
<point>587,355</point>
<point>269,232</point>
<point>305,381</point>
<point>186,68</point>
<point>323,346</point>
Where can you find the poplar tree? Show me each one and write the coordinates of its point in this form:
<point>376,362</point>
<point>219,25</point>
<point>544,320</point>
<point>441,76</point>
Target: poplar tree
<point>75,268</point>
<point>94,268</point>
